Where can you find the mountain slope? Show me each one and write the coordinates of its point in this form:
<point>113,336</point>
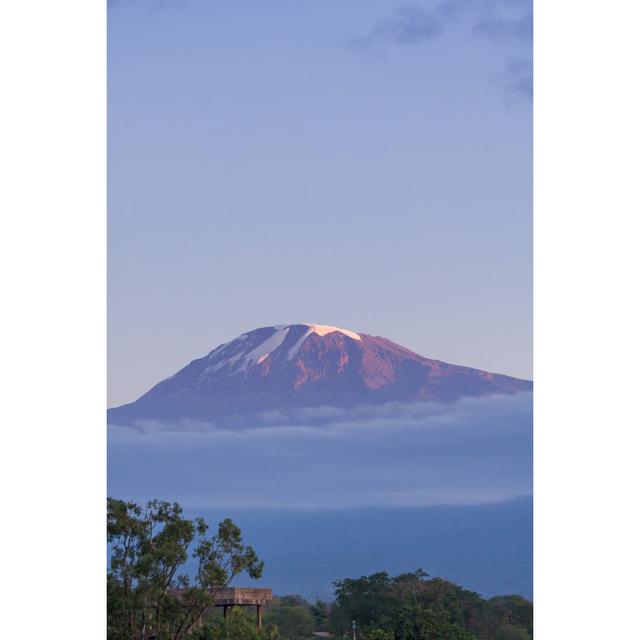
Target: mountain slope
<point>306,365</point>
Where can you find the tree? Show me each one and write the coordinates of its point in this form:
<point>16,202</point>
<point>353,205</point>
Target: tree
<point>419,623</point>
<point>238,626</point>
<point>320,612</point>
<point>369,601</point>
<point>511,632</point>
<point>513,611</point>
<point>146,595</point>
<point>412,606</point>
<point>292,616</point>
<point>373,633</point>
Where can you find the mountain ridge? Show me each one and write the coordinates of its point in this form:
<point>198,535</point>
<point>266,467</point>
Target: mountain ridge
<point>306,365</point>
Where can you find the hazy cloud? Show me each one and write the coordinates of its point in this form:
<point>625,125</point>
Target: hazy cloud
<point>504,23</point>
<point>505,30</point>
<point>517,78</point>
<point>413,24</point>
<point>470,452</point>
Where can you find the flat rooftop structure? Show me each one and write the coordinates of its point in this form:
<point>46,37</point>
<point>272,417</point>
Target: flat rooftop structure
<point>230,597</point>
<point>242,596</point>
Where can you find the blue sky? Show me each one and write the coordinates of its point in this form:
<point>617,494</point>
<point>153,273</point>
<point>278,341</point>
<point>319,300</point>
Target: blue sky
<point>361,164</point>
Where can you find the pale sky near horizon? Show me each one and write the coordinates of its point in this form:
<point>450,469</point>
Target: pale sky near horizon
<point>366,164</point>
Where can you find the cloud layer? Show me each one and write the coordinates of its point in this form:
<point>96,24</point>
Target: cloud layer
<point>470,452</point>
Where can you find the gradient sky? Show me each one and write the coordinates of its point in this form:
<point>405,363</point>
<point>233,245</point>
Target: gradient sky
<point>365,164</point>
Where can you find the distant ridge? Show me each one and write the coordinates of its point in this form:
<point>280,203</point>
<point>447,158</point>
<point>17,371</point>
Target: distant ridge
<point>306,365</point>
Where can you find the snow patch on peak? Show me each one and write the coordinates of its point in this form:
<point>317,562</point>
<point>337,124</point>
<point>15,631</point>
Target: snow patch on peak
<point>237,357</point>
<point>324,329</point>
<point>266,348</point>
<point>321,330</point>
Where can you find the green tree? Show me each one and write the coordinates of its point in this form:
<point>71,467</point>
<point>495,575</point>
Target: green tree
<point>369,601</point>
<point>238,626</point>
<point>508,631</point>
<point>513,611</point>
<point>146,595</point>
<point>419,623</point>
<point>293,618</point>
<point>320,612</point>
<point>412,606</point>
<point>373,633</point>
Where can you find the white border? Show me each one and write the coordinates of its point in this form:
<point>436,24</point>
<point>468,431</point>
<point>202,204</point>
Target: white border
<point>53,374</point>
<point>586,318</point>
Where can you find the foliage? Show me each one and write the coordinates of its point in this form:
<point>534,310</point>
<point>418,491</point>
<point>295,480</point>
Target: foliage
<point>515,611</point>
<point>147,597</point>
<point>511,632</point>
<point>372,633</point>
<point>370,600</point>
<point>416,622</point>
<point>292,616</point>
<point>239,626</point>
<point>320,612</point>
<point>413,607</point>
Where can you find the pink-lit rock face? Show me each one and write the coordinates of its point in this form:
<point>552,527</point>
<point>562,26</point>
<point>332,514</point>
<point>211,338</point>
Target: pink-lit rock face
<point>304,365</point>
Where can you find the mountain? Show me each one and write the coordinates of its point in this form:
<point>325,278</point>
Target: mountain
<point>306,365</point>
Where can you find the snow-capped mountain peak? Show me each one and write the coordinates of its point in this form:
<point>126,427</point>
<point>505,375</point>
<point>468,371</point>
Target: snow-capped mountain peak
<point>253,348</point>
<point>324,329</point>
<point>307,365</point>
